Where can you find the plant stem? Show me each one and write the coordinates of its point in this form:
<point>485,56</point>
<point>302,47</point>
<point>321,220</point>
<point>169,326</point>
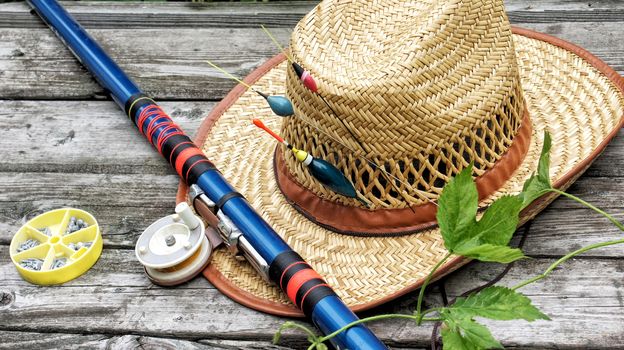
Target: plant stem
<point>428,311</point>
<point>374,318</point>
<point>581,250</point>
<point>298,326</point>
<point>363,320</point>
<point>564,259</point>
<point>590,206</point>
<point>421,295</point>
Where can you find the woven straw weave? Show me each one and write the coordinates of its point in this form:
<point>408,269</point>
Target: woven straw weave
<point>565,95</point>
<point>427,87</point>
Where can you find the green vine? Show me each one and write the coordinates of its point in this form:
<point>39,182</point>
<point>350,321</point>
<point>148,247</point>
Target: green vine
<point>486,239</point>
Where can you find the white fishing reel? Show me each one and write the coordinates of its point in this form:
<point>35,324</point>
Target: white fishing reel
<point>174,249</point>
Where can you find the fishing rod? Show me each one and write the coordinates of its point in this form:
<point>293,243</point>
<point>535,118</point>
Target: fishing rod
<point>237,222</point>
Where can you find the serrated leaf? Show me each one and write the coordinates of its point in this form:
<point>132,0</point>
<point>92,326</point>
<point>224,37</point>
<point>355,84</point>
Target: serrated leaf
<point>491,253</point>
<point>535,186</point>
<point>467,334</point>
<point>453,340</point>
<point>497,303</point>
<point>457,208</point>
<point>499,222</point>
<point>486,239</point>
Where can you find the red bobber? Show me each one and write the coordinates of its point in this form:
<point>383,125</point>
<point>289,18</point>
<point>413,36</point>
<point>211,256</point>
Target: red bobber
<point>306,78</point>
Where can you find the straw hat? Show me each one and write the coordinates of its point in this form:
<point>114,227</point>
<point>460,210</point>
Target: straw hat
<point>422,89</point>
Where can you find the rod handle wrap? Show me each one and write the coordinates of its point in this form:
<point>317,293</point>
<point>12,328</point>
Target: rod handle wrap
<point>303,286</point>
<point>168,138</point>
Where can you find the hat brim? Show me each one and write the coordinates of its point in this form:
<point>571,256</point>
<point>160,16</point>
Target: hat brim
<point>569,92</point>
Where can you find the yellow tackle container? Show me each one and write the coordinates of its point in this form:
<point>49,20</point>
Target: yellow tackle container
<point>55,245</point>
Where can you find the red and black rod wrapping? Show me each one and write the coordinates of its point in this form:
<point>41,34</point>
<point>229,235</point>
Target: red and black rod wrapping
<point>168,138</point>
<point>304,286</point>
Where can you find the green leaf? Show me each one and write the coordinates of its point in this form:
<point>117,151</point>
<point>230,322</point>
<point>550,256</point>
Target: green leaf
<point>453,340</point>
<point>497,303</point>
<point>486,239</point>
<point>491,253</point>
<point>467,334</point>
<point>538,183</point>
<point>457,208</point>
<point>543,168</point>
<point>499,222</point>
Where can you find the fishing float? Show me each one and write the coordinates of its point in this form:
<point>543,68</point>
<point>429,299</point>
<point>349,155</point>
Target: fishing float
<point>280,105</point>
<point>284,101</point>
<point>267,252</point>
<point>305,76</point>
<point>326,173</point>
<point>308,81</point>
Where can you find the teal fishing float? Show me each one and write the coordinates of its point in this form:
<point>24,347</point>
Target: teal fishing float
<point>323,171</point>
<point>280,105</point>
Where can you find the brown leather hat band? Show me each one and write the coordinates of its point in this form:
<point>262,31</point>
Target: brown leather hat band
<point>393,222</point>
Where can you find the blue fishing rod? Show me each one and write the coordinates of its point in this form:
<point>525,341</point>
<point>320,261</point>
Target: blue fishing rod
<point>229,212</point>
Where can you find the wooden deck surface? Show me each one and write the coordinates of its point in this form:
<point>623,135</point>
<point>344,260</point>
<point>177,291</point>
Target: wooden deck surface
<point>62,143</point>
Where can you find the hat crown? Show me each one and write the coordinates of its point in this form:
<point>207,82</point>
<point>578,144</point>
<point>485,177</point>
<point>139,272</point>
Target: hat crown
<point>421,88</point>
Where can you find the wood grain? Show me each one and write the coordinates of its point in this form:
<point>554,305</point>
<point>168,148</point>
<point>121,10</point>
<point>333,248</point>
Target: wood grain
<point>126,204</point>
<point>109,14</point>
<point>84,137</point>
<point>583,297</point>
<point>36,66</point>
<point>117,289</point>
<point>33,341</point>
<point>64,144</point>
<point>115,297</point>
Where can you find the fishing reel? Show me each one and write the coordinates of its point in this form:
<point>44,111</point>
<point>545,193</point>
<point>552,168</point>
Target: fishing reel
<point>178,247</point>
<point>174,249</point>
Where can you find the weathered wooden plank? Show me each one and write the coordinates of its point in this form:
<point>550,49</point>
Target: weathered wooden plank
<point>556,232</point>
<point>115,199</point>
<point>115,297</point>
<point>126,204</point>
<point>283,14</point>
<point>604,165</point>
<point>561,5</point>
<point>32,340</point>
<point>34,137</point>
<point>84,137</point>
<point>583,297</point>
<point>111,14</point>
<point>553,11</point>
<point>584,294</point>
<point>36,65</point>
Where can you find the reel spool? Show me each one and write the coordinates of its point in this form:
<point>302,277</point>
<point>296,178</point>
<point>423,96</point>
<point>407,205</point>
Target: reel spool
<point>175,248</point>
